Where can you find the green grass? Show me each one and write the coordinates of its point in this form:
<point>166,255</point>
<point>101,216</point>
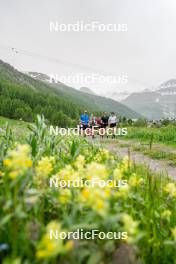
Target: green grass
<point>163,135</point>
<point>18,128</point>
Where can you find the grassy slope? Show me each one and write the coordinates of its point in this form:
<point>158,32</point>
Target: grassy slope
<point>19,128</point>
<point>68,94</point>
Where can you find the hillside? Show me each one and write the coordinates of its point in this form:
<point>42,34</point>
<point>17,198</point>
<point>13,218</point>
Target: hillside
<point>22,97</point>
<point>86,98</point>
<point>86,90</point>
<point>160,103</point>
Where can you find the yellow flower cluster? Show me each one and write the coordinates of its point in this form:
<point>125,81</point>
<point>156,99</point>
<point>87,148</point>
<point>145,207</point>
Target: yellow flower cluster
<point>103,155</point>
<point>93,172</point>
<point>79,163</point>
<point>117,174</point>
<point>45,166</point>
<point>135,181</point>
<point>50,247</point>
<point>87,195</point>
<point>18,161</point>
<point>43,170</point>
<point>166,214</point>
<point>125,164</point>
<point>96,198</point>
<point>130,226</point>
<point>122,192</point>
<point>68,173</point>
<point>173,230</point>
<point>65,196</point>
<point>96,170</point>
<point>170,189</point>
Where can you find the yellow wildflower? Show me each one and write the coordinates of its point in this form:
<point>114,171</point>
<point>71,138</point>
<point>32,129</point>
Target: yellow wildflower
<point>125,164</point>
<point>50,247</point>
<point>96,170</point>
<point>69,245</point>
<point>85,193</point>
<point>18,161</point>
<point>170,188</point>
<point>64,196</point>
<point>43,170</point>
<point>100,204</point>
<point>80,162</point>
<point>122,191</point>
<point>166,214</point>
<point>66,173</point>
<point>173,230</point>
<point>29,163</point>
<point>130,226</point>
<point>7,163</point>
<point>135,181</point>
<point>117,173</point>
<point>104,153</point>
<point>45,166</point>
<point>13,174</point>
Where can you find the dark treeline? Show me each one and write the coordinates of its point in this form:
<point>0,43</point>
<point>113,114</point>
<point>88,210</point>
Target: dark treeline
<point>21,102</point>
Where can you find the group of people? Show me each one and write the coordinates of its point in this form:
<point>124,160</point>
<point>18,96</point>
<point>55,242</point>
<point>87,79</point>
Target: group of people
<point>105,121</point>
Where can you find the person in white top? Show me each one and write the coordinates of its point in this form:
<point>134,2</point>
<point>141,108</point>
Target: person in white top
<point>112,123</point>
<point>112,120</point>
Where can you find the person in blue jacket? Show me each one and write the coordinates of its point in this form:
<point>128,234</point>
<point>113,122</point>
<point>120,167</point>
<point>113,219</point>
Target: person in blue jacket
<point>84,120</point>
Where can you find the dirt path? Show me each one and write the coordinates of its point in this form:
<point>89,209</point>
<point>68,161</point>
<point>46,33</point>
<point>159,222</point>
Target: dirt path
<point>137,157</point>
<point>155,146</point>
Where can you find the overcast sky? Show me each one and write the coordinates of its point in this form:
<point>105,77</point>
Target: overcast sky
<point>146,53</point>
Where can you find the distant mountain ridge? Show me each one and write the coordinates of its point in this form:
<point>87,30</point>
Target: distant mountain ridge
<point>37,85</point>
<point>155,104</point>
<point>86,90</point>
<point>118,96</point>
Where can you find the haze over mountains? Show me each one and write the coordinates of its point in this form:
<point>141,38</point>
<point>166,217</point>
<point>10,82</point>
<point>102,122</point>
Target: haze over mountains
<point>86,97</point>
<point>86,90</point>
<point>155,104</point>
<point>118,96</point>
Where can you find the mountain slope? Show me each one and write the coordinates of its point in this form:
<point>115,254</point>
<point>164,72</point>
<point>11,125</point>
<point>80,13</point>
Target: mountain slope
<point>87,99</point>
<point>86,90</point>
<point>27,96</point>
<point>157,104</point>
<point>118,96</point>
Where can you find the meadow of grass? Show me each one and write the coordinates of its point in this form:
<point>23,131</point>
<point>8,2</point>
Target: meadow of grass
<point>144,207</point>
<point>18,127</point>
<point>165,135</point>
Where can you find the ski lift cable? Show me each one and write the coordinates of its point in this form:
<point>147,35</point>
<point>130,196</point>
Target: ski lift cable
<point>67,63</point>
